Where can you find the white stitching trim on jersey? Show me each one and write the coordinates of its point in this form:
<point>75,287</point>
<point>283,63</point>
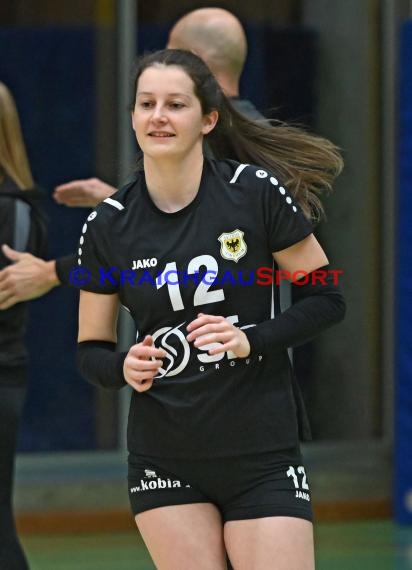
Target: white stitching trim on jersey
<point>114,203</point>
<point>238,172</point>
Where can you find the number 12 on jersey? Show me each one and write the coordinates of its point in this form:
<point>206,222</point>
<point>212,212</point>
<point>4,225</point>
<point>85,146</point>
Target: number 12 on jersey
<point>202,295</point>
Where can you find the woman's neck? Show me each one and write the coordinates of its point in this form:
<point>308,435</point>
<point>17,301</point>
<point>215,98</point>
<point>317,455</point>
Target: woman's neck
<point>173,184</point>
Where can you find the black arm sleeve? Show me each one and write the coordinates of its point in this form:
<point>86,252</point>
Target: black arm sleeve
<point>100,365</point>
<point>316,307</point>
<point>63,267</point>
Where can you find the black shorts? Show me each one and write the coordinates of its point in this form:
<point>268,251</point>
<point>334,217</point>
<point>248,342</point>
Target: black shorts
<point>243,487</point>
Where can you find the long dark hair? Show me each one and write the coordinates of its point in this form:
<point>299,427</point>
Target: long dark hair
<point>306,163</point>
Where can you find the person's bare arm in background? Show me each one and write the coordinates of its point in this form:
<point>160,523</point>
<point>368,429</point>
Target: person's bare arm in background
<point>83,193</point>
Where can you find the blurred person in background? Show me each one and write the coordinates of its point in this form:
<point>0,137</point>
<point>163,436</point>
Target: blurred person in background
<point>23,226</point>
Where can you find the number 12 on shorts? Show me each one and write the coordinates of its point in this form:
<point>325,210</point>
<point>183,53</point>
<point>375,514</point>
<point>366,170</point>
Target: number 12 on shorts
<point>291,472</point>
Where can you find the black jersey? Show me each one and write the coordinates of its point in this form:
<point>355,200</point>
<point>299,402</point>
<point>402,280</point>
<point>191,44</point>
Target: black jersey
<point>13,352</point>
<point>207,257</point>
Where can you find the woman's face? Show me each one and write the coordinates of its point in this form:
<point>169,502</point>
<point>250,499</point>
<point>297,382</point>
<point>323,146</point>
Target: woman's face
<point>167,117</point>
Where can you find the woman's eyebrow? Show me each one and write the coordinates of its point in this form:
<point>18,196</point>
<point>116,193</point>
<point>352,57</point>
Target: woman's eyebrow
<point>176,94</point>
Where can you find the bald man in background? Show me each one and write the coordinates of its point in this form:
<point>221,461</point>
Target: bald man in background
<point>215,35</point>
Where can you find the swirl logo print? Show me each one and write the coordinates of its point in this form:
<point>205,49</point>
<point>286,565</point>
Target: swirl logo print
<point>174,342</point>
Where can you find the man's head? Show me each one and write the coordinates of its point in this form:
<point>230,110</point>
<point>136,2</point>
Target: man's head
<point>216,36</point>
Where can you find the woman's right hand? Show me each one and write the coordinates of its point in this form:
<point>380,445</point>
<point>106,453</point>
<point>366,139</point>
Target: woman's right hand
<point>142,364</point>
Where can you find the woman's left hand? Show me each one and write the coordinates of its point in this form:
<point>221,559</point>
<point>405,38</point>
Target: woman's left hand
<point>211,329</point>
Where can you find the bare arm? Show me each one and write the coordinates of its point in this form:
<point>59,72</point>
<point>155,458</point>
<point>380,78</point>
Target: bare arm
<point>97,322</point>
<point>83,193</point>
<point>98,317</point>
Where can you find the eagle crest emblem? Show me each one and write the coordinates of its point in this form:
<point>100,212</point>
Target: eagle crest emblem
<point>232,245</point>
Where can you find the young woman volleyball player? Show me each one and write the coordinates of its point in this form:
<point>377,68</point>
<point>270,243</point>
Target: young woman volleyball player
<point>214,459</point>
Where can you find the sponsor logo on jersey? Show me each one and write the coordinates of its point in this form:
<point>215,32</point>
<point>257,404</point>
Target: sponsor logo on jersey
<point>178,352</point>
<point>174,342</point>
<point>232,245</point>
<point>144,263</point>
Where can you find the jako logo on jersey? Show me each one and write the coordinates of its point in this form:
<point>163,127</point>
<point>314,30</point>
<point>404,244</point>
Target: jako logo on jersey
<point>144,263</point>
<point>233,246</point>
<point>177,358</point>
